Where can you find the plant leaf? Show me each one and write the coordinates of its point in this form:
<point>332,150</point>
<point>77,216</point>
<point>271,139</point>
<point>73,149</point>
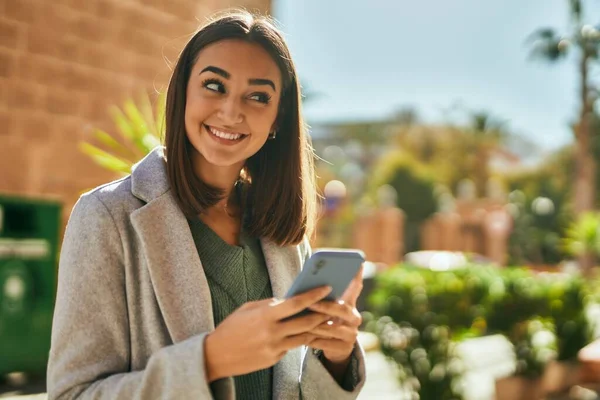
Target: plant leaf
<point>105,159</point>
<point>159,122</point>
<point>109,141</point>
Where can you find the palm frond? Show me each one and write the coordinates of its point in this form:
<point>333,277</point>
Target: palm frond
<point>545,33</point>
<point>107,140</point>
<point>105,159</point>
<point>547,44</point>
<point>138,131</point>
<point>159,118</point>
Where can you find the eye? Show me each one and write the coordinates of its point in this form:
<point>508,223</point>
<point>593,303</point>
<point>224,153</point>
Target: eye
<point>261,97</point>
<point>214,85</point>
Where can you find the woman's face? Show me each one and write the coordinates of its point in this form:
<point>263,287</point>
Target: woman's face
<point>232,101</point>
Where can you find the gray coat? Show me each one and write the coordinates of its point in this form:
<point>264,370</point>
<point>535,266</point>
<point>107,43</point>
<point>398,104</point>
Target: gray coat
<point>133,305</point>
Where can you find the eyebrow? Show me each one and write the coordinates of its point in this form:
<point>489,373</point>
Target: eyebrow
<point>227,75</point>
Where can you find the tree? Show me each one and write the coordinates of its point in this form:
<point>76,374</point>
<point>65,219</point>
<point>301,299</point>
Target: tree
<point>486,133</point>
<point>415,188</point>
<point>584,40</point>
<point>455,152</point>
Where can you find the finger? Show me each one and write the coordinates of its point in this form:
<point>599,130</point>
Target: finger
<point>339,309</point>
<point>302,324</point>
<point>294,305</point>
<point>329,330</point>
<point>331,345</point>
<point>291,342</point>
<point>260,303</point>
<point>353,290</point>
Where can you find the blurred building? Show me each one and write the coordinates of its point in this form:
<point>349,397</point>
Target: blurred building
<point>63,63</point>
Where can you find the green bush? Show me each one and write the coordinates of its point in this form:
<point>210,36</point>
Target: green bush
<point>427,359</point>
<point>567,297</point>
<point>583,235</point>
<point>535,347</point>
<point>473,301</point>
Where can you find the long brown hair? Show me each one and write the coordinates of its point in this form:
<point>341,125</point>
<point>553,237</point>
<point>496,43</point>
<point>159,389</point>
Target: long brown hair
<point>279,183</point>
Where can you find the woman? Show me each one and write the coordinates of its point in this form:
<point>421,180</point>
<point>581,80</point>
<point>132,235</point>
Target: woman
<point>206,232</point>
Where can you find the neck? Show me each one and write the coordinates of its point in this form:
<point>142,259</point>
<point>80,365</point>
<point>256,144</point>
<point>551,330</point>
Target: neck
<point>217,176</point>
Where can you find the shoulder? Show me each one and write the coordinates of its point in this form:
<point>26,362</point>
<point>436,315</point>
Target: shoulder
<point>114,198</point>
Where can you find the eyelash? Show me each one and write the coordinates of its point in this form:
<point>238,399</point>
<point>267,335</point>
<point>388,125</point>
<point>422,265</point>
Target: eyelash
<point>264,98</point>
<point>211,81</point>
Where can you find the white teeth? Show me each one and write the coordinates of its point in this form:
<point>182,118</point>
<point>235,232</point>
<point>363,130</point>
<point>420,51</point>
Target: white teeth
<point>224,135</point>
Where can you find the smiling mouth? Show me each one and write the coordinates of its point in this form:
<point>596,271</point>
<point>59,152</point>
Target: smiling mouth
<point>225,135</point>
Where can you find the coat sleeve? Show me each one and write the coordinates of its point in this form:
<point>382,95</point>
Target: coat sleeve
<point>90,349</point>
<point>316,382</point>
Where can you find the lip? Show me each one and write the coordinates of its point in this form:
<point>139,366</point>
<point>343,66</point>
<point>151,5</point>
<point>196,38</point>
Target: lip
<point>220,140</point>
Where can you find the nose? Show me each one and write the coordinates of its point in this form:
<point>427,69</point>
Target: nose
<point>230,111</point>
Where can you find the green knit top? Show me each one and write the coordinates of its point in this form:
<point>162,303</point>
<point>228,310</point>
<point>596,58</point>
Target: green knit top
<point>236,275</point>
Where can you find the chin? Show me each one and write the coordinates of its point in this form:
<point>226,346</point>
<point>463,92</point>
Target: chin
<point>224,163</point>
<point>220,160</point>
<point>216,155</point>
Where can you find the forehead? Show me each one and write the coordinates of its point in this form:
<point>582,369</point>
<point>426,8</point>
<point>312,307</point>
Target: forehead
<point>241,59</point>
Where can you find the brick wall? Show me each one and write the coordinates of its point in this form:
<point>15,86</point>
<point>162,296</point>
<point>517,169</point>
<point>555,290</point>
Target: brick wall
<point>62,63</point>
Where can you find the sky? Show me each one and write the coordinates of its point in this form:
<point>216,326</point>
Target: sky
<point>366,59</point>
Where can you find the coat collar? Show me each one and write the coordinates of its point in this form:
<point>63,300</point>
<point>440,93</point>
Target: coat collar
<point>176,270</point>
<point>149,176</point>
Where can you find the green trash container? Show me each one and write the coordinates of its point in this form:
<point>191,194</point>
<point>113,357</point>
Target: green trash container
<point>29,239</point>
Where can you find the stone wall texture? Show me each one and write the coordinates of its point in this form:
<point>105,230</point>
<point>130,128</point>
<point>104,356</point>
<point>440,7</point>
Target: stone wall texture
<point>63,63</point>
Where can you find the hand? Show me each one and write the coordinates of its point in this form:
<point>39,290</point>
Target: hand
<point>337,336</point>
<point>255,336</point>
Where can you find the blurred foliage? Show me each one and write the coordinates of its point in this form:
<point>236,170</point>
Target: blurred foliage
<point>427,359</point>
<point>453,152</point>
<point>479,300</point>
<point>443,150</point>
<point>412,182</point>
<point>415,189</point>
<point>535,346</point>
<point>140,128</point>
<point>537,232</point>
<point>568,298</point>
<point>540,205</point>
<point>583,235</point>
<point>485,133</point>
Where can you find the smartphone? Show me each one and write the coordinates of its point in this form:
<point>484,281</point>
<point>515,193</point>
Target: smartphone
<point>327,267</point>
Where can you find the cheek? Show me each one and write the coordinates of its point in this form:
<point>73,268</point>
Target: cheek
<point>193,105</point>
<point>196,111</point>
<point>263,122</point>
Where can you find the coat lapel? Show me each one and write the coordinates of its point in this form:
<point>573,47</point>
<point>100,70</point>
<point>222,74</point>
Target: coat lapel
<point>283,265</point>
<point>175,269</point>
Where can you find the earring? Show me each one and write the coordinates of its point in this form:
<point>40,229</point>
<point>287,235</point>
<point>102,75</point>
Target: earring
<point>273,135</point>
